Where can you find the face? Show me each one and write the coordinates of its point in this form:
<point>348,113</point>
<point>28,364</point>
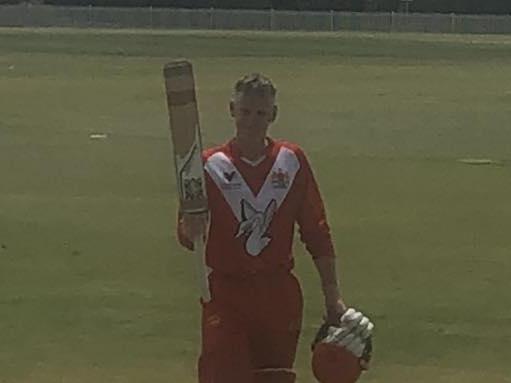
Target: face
<point>253,114</point>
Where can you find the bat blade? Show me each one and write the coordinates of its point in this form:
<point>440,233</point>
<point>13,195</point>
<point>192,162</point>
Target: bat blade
<point>185,135</point>
<point>186,141</point>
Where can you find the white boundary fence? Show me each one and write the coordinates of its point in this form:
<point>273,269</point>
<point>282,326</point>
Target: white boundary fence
<point>268,20</point>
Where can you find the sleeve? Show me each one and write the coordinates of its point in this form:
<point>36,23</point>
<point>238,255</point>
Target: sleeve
<point>313,226</point>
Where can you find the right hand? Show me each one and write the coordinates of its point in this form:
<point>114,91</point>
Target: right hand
<point>357,322</point>
<point>195,225</point>
<point>354,333</point>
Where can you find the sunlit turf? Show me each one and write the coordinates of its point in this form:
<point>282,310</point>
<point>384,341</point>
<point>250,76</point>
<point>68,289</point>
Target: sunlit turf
<point>93,287</point>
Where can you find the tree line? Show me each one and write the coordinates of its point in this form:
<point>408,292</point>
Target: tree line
<point>423,6</point>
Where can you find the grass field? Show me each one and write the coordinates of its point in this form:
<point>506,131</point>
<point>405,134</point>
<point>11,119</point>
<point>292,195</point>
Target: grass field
<point>93,287</point>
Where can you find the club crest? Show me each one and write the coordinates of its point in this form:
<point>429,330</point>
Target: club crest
<point>280,179</point>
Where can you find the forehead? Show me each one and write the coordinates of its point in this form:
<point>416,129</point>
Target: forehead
<point>254,100</point>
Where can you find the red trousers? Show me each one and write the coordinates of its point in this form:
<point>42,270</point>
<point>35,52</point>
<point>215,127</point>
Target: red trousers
<point>250,329</point>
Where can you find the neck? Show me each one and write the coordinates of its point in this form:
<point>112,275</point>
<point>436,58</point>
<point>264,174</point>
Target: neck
<point>252,150</point>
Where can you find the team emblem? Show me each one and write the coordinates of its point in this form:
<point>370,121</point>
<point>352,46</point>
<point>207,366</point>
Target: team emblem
<point>254,226</point>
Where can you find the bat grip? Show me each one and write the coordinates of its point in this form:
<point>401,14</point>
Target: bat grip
<point>202,269</point>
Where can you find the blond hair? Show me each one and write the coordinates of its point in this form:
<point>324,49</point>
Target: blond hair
<point>255,83</point>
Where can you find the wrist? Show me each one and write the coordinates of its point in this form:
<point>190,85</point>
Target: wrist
<point>334,313</point>
<point>331,293</point>
<point>334,305</point>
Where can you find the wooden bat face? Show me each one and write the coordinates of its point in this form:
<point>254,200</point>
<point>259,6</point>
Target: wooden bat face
<point>185,134</point>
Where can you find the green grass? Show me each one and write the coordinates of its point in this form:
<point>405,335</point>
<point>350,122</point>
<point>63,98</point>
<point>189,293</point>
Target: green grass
<point>93,287</point>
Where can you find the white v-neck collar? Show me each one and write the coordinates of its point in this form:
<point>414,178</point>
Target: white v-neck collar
<point>255,162</point>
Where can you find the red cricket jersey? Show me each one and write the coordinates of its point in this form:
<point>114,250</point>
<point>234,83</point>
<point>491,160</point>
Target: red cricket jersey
<point>254,208</point>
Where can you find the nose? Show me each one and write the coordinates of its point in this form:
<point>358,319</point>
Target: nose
<point>248,122</point>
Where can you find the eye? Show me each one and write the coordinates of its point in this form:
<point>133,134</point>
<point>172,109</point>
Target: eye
<point>261,113</point>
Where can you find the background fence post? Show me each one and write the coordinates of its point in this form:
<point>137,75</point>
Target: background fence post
<point>392,21</point>
<point>26,15</point>
<point>453,23</point>
<point>151,17</point>
<point>211,19</point>
<point>332,21</point>
<point>272,21</point>
<point>492,23</point>
<point>89,16</point>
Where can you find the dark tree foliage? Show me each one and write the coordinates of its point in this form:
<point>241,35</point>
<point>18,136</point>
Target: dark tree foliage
<point>8,2</point>
<point>462,6</point>
<point>424,6</point>
<point>246,4</point>
<point>136,3</point>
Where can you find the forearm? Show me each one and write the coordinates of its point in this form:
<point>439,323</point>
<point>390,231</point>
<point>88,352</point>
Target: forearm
<point>334,303</point>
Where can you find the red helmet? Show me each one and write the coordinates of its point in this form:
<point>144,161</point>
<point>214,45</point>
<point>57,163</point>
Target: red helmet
<point>334,364</point>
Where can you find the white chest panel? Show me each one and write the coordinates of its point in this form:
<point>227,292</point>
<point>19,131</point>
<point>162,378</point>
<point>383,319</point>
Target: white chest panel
<point>235,190</point>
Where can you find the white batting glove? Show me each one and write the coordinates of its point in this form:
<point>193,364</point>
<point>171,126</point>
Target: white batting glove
<point>354,331</point>
<point>357,322</point>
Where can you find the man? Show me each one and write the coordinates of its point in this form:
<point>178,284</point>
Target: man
<point>258,188</point>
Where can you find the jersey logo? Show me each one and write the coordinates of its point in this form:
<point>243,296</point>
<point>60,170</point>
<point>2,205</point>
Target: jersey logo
<point>229,176</point>
<point>230,181</point>
<point>254,226</point>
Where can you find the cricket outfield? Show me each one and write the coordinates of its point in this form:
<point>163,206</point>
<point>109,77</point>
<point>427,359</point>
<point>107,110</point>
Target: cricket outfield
<point>93,287</point>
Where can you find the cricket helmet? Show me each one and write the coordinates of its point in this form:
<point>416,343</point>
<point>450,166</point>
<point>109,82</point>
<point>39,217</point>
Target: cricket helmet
<point>334,364</point>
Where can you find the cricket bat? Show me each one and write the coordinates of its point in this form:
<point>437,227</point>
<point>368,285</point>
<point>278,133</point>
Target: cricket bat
<point>187,150</point>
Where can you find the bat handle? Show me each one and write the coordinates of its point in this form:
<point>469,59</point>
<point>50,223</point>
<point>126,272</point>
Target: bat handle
<point>202,269</point>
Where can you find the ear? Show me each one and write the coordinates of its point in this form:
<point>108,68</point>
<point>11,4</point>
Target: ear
<point>274,114</point>
<point>231,108</point>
